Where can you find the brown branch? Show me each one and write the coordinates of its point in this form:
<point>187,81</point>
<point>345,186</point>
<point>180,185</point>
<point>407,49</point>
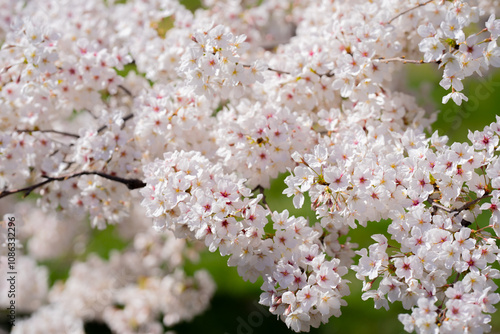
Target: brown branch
<point>463,207</point>
<point>277,71</point>
<point>408,10</point>
<point>329,74</point>
<point>26,190</point>
<point>129,116</point>
<point>129,93</point>
<point>90,113</point>
<point>130,183</point>
<point>50,131</point>
<point>125,119</point>
<point>245,65</point>
<point>471,203</point>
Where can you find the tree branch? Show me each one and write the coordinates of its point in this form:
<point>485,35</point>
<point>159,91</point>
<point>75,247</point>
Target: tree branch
<point>400,59</point>
<point>471,203</point>
<point>125,119</point>
<point>51,131</point>
<point>26,190</point>
<point>277,71</point>
<point>129,93</point>
<point>408,10</point>
<point>463,207</point>
<point>439,206</point>
<point>130,183</point>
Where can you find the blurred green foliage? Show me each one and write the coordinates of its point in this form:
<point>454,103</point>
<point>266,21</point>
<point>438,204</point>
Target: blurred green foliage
<point>192,5</point>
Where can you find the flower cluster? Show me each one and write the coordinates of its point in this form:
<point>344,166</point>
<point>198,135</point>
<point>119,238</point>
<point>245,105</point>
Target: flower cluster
<point>257,141</point>
<point>460,56</point>
<point>214,61</point>
<point>434,263</point>
<point>196,199</point>
<point>168,120</point>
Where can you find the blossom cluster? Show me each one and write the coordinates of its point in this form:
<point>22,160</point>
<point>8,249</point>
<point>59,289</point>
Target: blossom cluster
<point>434,263</point>
<point>258,141</point>
<point>196,199</point>
<point>460,56</point>
<point>215,61</point>
<point>202,110</point>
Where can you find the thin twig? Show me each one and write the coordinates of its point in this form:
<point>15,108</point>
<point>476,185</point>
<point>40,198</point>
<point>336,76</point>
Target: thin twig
<point>329,74</point>
<point>51,131</point>
<point>277,71</point>
<point>269,69</point>
<point>129,116</point>
<point>442,207</point>
<point>130,183</point>
<point>245,65</point>
<point>125,118</point>
<point>400,59</point>
<point>408,10</point>
<point>261,190</point>
<point>128,92</point>
<point>90,113</point>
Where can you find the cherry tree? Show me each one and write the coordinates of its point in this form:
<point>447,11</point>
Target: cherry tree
<point>143,114</point>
